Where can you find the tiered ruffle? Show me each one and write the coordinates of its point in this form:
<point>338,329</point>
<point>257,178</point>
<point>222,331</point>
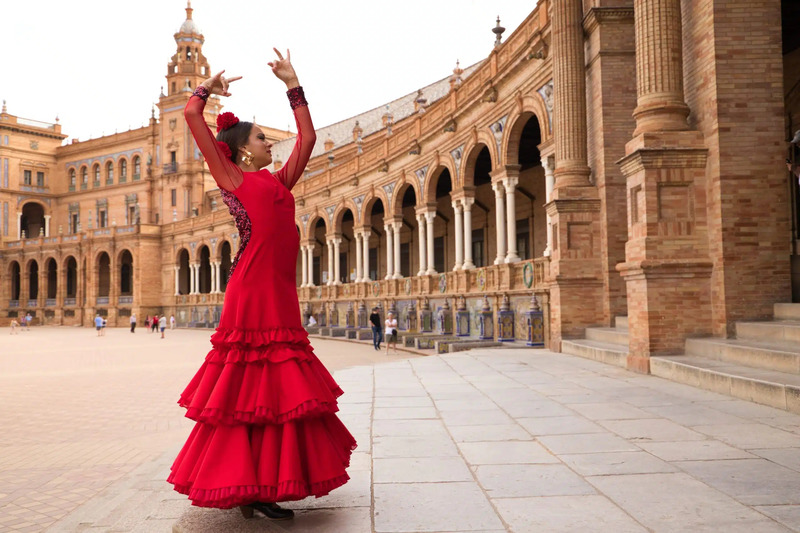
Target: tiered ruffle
<point>266,428</point>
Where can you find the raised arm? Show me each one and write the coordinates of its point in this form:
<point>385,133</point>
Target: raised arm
<point>224,171</point>
<point>306,137</point>
<point>304,143</point>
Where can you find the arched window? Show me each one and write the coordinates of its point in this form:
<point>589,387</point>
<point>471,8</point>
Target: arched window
<point>84,177</point>
<point>137,167</point>
<point>96,174</point>
<point>123,170</point>
<point>72,179</point>
<point>109,173</point>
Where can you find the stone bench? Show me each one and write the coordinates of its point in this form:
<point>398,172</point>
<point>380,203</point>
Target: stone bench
<point>428,342</point>
<point>461,344</point>
<point>360,334</point>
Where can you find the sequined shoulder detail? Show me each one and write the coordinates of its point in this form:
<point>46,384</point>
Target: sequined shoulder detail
<point>236,209</point>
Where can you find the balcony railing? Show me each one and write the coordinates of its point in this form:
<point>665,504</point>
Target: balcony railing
<point>170,168</point>
<point>136,177</point>
<point>69,301</point>
<point>50,302</point>
<point>102,300</point>
<point>125,300</point>
<point>13,303</point>
<point>33,302</point>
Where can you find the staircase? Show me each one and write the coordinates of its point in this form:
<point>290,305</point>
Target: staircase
<point>762,364</point>
<point>607,345</point>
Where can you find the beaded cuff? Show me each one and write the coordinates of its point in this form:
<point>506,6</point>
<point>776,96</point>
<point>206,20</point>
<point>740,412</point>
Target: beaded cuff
<point>296,97</point>
<point>201,92</point>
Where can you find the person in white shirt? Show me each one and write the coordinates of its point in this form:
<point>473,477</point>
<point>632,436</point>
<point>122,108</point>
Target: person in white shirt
<point>312,321</point>
<point>172,322</point>
<point>162,324</point>
<point>133,322</point>
<point>391,332</point>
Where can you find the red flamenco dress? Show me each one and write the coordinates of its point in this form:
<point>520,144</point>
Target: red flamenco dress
<point>264,404</point>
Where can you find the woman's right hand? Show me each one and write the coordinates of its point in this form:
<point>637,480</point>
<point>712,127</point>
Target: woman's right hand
<point>218,84</point>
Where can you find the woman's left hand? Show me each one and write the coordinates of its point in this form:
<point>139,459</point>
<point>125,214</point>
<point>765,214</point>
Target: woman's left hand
<point>283,69</point>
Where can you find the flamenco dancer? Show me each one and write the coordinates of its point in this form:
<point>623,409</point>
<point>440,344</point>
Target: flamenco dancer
<point>266,431</point>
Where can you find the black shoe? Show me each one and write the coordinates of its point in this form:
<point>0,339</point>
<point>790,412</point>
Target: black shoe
<point>271,510</point>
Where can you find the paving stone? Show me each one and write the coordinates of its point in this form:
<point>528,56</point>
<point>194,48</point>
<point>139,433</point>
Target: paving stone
<point>560,425</point>
<point>399,428</point>
<point>788,515</point>
<point>489,432</point>
<point>701,450</point>
<point>402,401</point>
<point>566,514</point>
<point>615,463</point>
<point>586,443</point>
<point>750,481</point>
<point>651,430</point>
<point>406,507</point>
<point>405,413</point>
<point>505,453</point>
<point>519,481</point>
<point>692,414</point>
<point>468,417</point>
<point>753,435</point>
<point>422,446</point>
<point>421,470</point>
<point>610,411</point>
<point>788,457</point>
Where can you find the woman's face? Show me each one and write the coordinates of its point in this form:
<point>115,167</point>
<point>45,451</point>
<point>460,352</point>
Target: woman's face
<point>260,147</point>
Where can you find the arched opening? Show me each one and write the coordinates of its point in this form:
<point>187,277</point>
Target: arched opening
<point>299,263</point>
<point>347,250</point>
<point>84,178</point>
<point>15,280</point>
<point>72,277</point>
<point>205,270</point>
<point>183,272</point>
<point>137,167</point>
<point>320,268</point>
<point>103,276</point>
<point>409,233</point>
<point>483,211</point>
<point>226,265</point>
<point>531,192</point>
<point>32,222</point>
<point>109,173</point>
<point>33,282</point>
<point>443,226</point>
<point>52,279</point>
<point>377,241</point>
<point>123,170</point>
<point>126,274</point>
<point>72,179</point>
<point>96,174</point>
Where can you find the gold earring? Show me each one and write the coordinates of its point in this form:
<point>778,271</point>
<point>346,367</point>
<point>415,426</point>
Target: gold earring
<point>248,157</point>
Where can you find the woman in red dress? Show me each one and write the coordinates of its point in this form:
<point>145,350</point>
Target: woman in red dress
<point>264,405</point>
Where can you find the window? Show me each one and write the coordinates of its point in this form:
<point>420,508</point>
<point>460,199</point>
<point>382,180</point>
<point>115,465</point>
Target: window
<point>72,179</point>
<point>405,260</point>
<point>40,179</point>
<point>27,177</point>
<point>123,171</point>
<point>102,218</point>
<point>523,239</point>
<point>137,167</point>
<point>131,214</point>
<point>174,194</point>
<point>84,178</point>
<point>96,174</point>
<point>109,173</point>
<point>438,254</point>
<point>173,88</point>
<point>73,223</point>
<point>188,54</point>
<point>477,247</point>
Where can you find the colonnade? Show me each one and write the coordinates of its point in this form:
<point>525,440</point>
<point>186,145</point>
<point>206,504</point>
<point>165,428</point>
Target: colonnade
<point>194,278</point>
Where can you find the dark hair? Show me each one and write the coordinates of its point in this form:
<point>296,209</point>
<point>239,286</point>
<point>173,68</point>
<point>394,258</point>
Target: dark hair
<point>236,137</point>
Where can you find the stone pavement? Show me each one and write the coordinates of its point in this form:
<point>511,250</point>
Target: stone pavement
<point>485,441</point>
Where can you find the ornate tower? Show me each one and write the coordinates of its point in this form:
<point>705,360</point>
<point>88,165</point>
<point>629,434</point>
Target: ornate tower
<point>188,67</point>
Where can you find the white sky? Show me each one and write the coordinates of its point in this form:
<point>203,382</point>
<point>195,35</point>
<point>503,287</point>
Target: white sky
<point>99,65</point>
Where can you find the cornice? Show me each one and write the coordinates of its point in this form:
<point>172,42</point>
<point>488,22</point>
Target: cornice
<point>600,15</point>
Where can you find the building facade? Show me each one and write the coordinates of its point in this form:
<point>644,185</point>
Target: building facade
<point>608,158</point>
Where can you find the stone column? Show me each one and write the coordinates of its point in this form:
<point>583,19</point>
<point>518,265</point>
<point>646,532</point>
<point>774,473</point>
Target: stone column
<point>569,94</point>
<point>337,242</point>
<point>310,252</point>
<point>387,228</point>
<point>500,222</point>
<point>549,181</point>
<point>215,284</point>
<point>510,185</point>
<point>194,278</point>
<point>304,266</point>
<point>359,258</point>
<point>422,247</point>
<point>459,230</point>
<point>430,216</point>
<point>397,273</point>
<point>659,67</point>
<point>468,264</point>
<point>47,225</point>
<point>177,280</point>
<point>365,235</point>
<point>330,262</point>
<point>19,225</point>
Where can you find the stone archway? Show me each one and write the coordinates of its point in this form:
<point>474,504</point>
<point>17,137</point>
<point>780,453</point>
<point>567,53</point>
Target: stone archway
<point>51,267</point>
<point>33,281</point>
<point>32,220</point>
<point>183,272</point>
<point>204,281</point>
<point>103,276</point>
<point>225,265</point>
<point>126,274</point>
<point>15,280</point>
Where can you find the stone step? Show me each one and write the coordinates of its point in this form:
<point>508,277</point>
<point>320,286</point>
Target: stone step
<point>754,354</point>
<point>460,345</point>
<point>787,311</point>
<point>605,352</point>
<point>621,322</point>
<point>612,335</point>
<point>768,387</point>
<point>787,331</point>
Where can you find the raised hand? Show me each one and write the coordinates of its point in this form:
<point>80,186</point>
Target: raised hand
<point>218,84</point>
<point>283,69</point>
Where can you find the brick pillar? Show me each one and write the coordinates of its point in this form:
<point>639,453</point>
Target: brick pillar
<point>667,267</point>
<point>575,268</point>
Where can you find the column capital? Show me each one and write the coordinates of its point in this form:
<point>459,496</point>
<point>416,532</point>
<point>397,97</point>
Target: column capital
<point>510,182</point>
<point>467,202</point>
<point>501,172</point>
<point>430,216</point>
<point>456,205</point>
<point>366,234</point>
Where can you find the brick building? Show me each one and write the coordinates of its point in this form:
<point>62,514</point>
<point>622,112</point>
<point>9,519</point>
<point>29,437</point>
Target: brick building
<point>610,157</point>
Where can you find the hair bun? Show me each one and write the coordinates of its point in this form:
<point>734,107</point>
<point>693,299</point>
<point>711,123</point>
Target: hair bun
<point>226,120</point>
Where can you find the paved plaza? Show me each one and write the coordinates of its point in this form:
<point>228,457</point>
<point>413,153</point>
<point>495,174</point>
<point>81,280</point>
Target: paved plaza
<point>485,441</point>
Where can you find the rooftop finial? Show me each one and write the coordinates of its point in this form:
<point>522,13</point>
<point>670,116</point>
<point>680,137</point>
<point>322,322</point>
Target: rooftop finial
<point>498,31</point>
<point>189,9</point>
<point>5,110</point>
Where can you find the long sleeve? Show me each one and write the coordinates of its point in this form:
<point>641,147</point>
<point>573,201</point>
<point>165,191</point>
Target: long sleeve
<point>224,171</point>
<point>304,143</point>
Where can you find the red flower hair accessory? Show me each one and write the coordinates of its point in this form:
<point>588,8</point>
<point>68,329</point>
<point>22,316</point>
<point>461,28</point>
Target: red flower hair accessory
<point>226,120</point>
<point>225,149</point>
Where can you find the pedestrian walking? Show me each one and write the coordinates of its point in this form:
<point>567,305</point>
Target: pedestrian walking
<point>162,324</point>
<point>133,323</point>
<point>98,324</point>
<point>28,320</point>
<point>264,404</point>
<point>14,326</point>
<point>391,332</point>
<point>154,323</point>
<point>103,328</point>
<point>171,321</point>
<point>377,331</point>
<point>312,322</point>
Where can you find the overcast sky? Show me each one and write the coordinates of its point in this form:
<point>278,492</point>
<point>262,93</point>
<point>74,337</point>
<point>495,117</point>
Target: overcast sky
<point>99,65</point>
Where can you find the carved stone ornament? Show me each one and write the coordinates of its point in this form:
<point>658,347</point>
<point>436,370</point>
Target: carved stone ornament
<point>450,126</point>
<point>414,148</point>
<point>489,94</point>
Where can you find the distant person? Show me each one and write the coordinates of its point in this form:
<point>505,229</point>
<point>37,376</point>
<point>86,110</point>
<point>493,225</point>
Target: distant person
<point>133,323</point>
<point>147,323</point>
<point>14,326</point>
<point>391,332</point>
<point>377,335</point>
<point>103,328</point>
<point>312,321</point>
<point>28,320</point>
<point>154,323</point>
<point>171,321</point>
<point>162,324</point>
<point>98,324</point>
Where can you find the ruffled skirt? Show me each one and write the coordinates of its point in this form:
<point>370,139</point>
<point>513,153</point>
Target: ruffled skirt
<point>266,425</point>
